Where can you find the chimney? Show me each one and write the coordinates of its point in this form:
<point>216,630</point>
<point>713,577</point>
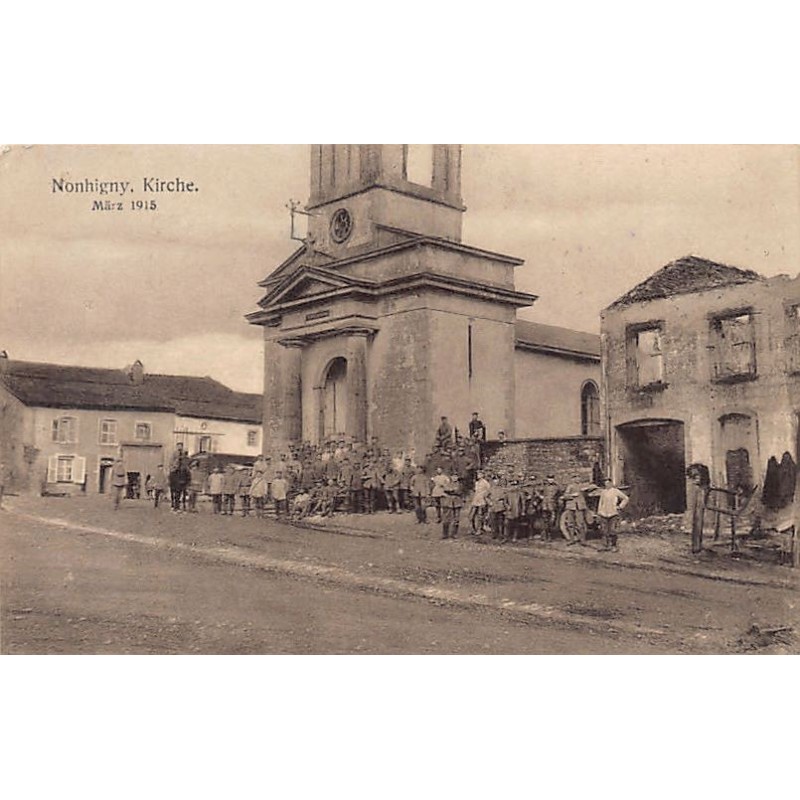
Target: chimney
<point>136,373</point>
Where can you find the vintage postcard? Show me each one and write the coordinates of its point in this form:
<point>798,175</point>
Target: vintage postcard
<point>399,399</point>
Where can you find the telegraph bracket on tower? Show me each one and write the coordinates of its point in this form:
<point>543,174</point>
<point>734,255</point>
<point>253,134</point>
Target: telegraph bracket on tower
<point>295,207</point>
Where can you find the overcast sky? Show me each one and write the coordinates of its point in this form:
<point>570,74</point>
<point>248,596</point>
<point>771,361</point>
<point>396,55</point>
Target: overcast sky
<point>171,287</point>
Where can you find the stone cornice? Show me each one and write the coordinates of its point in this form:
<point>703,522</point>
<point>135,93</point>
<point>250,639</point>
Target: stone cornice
<point>400,285</point>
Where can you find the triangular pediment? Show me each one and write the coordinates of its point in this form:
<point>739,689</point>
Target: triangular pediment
<point>308,282</point>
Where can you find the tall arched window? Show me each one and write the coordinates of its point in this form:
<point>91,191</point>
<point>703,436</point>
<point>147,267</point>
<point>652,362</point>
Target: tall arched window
<point>590,409</point>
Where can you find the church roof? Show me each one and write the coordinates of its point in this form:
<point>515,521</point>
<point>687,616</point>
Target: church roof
<point>685,276</point>
<point>555,340</point>
<point>60,386</point>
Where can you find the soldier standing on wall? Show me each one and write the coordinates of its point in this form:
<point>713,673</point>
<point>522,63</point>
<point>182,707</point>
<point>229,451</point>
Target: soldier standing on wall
<point>477,430</point>
<point>444,435</point>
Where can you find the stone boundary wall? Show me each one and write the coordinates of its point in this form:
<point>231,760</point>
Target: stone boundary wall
<point>562,457</point>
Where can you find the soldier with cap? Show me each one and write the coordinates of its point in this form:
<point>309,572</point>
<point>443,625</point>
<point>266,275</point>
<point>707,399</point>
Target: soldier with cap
<point>477,430</point>
<point>452,502</point>
<point>575,511</point>
<point>549,506</point>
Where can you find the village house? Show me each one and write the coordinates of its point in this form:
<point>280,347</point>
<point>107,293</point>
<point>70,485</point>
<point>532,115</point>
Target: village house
<point>61,427</point>
<point>385,320</point>
<point>701,364</point>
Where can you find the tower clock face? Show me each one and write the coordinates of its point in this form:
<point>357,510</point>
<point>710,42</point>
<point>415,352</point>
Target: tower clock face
<point>341,225</point>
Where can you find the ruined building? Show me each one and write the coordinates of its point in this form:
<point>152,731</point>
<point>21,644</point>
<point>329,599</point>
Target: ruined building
<point>385,320</point>
<point>701,364</point>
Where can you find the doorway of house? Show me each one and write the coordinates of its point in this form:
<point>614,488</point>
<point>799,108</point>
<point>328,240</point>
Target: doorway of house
<point>106,465</point>
<point>653,459</point>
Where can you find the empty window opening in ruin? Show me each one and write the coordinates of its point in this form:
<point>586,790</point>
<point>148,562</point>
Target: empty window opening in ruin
<point>646,353</point>
<point>733,341</point>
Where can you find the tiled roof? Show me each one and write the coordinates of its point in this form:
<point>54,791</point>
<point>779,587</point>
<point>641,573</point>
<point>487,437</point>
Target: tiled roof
<point>685,276</point>
<point>559,341</point>
<point>58,386</point>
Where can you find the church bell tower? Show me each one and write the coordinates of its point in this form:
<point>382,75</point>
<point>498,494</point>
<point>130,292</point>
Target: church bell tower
<point>384,320</point>
<point>358,191</point>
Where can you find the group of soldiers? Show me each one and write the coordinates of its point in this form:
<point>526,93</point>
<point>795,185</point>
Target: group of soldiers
<point>319,480</point>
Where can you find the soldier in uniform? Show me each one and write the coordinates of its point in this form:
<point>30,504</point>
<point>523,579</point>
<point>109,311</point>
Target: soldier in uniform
<point>549,506</point>
<point>119,479</point>
<point>515,509</point>
<point>440,482</point>
<point>406,474</point>
<point>420,488</point>
<point>245,480</point>
<point>452,503</point>
<point>480,503</point>
<point>575,511</point>
<point>444,435</point>
<point>197,479</point>
<point>391,488</point>
<point>477,430</point>
<point>371,481</point>
<point>497,507</point>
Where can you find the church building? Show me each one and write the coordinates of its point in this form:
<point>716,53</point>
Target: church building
<point>384,320</point>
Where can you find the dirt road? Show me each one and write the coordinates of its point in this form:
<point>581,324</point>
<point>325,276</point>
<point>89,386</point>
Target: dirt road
<point>79,578</point>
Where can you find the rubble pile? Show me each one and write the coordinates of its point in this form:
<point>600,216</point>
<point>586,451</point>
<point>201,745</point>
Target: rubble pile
<point>775,639</point>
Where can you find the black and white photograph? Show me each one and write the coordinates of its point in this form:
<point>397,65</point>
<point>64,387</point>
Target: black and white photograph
<point>399,399</point>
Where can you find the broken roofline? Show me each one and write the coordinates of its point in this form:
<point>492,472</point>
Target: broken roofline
<point>415,240</point>
<point>368,289</point>
<point>717,275</point>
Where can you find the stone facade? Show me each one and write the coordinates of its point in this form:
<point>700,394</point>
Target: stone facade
<point>705,369</point>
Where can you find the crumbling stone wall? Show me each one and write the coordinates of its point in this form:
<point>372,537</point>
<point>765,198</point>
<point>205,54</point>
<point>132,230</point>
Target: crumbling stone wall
<point>562,457</point>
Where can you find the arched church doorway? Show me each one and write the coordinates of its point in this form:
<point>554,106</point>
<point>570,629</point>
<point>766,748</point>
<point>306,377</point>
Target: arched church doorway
<point>333,413</point>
